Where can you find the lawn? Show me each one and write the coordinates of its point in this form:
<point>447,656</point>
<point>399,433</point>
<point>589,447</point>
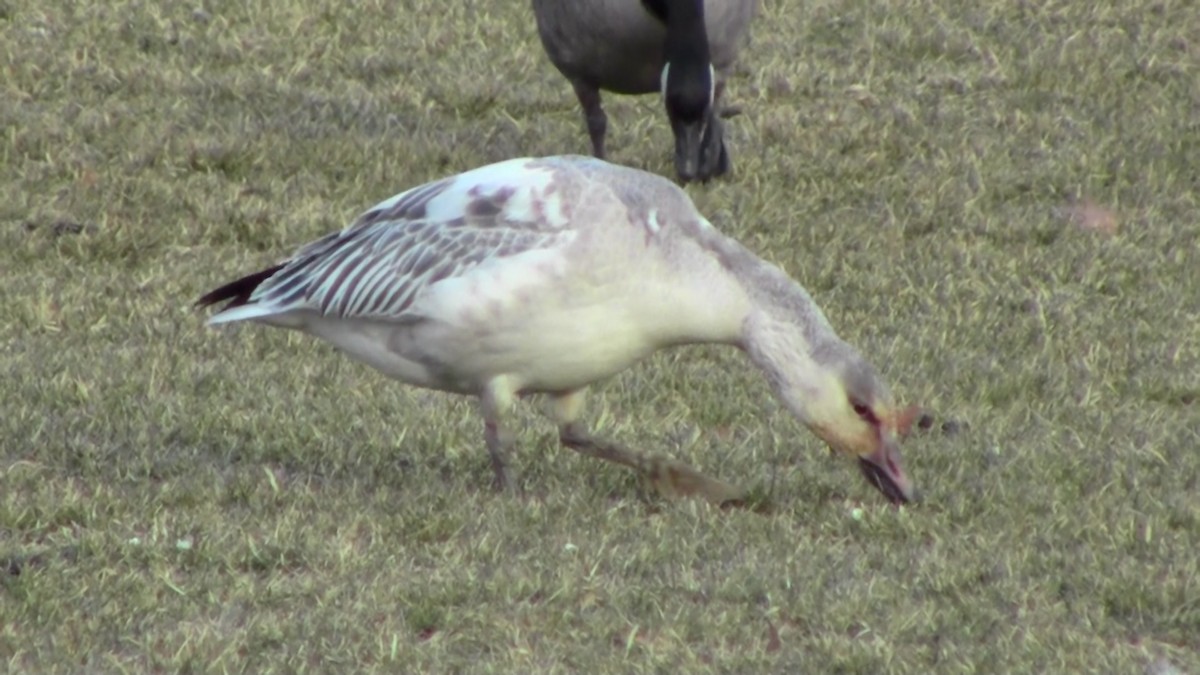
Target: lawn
<point>998,202</point>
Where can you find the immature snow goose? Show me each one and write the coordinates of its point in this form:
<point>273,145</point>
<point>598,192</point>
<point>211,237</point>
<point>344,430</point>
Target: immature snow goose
<point>680,48</point>
<point>547,275</point>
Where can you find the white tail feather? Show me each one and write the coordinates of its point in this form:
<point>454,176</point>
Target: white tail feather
<point>242,313</point>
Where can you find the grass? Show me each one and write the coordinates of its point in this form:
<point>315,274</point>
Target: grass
<point>935,172</point>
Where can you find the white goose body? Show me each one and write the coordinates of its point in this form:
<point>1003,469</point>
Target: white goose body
<point>547,275</point>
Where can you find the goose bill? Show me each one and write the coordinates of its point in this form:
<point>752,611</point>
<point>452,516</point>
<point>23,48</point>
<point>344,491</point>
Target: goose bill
<point>885,470</point>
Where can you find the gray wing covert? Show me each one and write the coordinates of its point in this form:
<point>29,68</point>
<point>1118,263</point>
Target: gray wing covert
<point>377,269</point>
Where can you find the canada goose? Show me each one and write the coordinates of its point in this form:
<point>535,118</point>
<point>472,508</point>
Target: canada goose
<point>547,275</point>
<point>681,48</point>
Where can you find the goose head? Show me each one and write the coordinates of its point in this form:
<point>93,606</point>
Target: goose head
<point>855,415</point>
<point>688,96</point>
<point>689,89</point>
<point>838,395</point>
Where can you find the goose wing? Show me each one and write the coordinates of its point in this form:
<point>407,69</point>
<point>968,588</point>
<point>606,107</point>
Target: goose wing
<point>377,267</point>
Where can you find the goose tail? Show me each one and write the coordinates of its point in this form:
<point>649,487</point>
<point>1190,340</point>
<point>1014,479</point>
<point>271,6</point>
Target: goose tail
<point>238,293</point>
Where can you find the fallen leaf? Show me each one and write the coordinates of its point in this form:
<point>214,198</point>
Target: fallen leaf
<point>1090,216</point>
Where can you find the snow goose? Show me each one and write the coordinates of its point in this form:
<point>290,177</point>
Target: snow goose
<point>680,48</point>
<point>545,275</point>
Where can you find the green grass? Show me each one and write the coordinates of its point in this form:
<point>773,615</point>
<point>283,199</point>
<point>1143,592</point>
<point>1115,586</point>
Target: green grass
<point>250,501</point>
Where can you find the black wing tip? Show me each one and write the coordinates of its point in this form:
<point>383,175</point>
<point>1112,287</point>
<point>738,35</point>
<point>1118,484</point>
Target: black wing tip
<point>238,292</point>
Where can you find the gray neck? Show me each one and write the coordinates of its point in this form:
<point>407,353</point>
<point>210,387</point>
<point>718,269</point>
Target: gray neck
<point>784,332</point>
<point>775,297</point>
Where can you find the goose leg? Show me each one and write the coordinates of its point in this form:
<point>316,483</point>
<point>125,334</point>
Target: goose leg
<point>495,402</point>
<point>593,115</point>
<point>670,477</point>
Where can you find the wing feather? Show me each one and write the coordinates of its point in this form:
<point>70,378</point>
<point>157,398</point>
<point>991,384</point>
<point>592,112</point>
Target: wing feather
<point>378,267</point>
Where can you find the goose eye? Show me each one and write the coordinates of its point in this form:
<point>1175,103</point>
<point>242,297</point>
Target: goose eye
<point>864,412</point>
